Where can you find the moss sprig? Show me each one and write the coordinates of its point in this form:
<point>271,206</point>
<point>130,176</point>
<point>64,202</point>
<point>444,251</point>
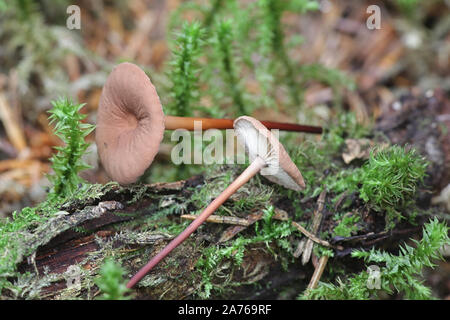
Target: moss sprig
<point>212,12</point>
<point>67,162</point>
<point>111,282</point>
<point>184,70</point>
<point>272,38</point>
<point>223,43</point>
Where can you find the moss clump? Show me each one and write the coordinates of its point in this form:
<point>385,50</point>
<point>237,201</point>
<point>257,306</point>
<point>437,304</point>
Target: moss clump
<point>390,179</point>
<point>387,181</point>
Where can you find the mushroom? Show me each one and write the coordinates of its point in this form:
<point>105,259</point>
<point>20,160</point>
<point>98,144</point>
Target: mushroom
<point>131,123</point>
<point>267,156</point>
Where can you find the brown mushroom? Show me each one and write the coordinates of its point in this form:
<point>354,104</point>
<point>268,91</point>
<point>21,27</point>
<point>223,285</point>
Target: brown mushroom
<point>267,156</point>
<point>131,123</point>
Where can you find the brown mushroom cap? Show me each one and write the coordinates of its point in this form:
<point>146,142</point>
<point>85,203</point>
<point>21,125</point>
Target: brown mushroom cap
<point>130,123</point>
<point>260,142</point>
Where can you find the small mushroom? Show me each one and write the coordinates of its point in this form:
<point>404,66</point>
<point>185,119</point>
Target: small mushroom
<point>131,123</point>
<point>267,156</point>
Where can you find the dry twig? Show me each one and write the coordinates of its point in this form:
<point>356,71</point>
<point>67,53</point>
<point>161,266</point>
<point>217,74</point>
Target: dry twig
<point>318,272</point>
<point>306,247</point>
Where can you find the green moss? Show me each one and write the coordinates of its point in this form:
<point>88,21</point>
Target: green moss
<point>88,193</point>
<point>268,232</point>
<point>345,127</point>
<point>212,12</point>
<point>390,179</point>
<point>223,43</point>
<point>111,282</point>
<point>398,273</point>
<point>214,185</point>
<point>387,181</point>
<point>347,225</point>
<point>184,70</point>
<point>241,36</point>
<point>172,228</point>
<point>272,41</point>
<point>67,163</point>
<point>320,163</point>
<point>253,194</point>
<point>14,232</point>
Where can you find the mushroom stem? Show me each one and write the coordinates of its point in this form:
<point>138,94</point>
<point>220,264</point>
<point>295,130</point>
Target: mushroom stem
<point>248,173</point>
<point>173,123</point>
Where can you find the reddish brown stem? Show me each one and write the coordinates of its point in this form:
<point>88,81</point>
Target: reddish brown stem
<point>248,173</point>
<point>173,123</point>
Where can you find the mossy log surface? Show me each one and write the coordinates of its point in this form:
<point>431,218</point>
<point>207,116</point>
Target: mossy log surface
<point>83,234</point>
<point>114,221</point>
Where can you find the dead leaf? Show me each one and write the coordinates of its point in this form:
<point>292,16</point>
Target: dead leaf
<point>356,149</point>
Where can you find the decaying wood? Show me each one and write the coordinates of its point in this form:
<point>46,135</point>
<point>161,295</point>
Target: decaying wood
<point>112,223</point>
<point>85,236</point>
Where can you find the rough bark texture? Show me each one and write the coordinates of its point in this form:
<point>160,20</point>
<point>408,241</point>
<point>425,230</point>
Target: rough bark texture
<point>112,223</point>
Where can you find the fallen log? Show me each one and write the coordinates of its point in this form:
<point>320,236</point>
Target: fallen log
<point>133,223</point>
